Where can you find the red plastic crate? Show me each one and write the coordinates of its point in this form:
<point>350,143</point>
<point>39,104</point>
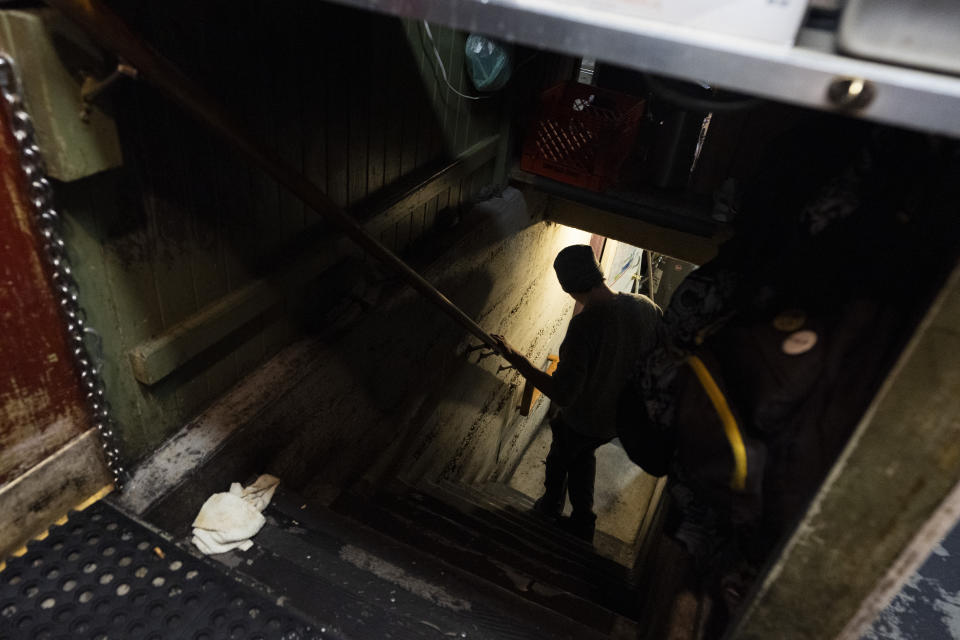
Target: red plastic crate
<point>582,135</point>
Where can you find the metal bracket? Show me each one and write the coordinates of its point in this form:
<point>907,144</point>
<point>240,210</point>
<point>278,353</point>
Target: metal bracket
<point>486,355</point>
<point>92,87</point>
<point>479,347</point>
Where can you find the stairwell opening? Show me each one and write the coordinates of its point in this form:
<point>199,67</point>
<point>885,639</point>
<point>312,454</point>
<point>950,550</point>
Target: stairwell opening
<point>626,499</point>
<point>389,420</point>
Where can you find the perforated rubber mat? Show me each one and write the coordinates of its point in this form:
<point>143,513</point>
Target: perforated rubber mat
<point>104,576</point>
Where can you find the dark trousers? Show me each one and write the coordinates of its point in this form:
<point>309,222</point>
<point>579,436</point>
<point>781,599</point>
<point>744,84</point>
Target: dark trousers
<point>571,467</point>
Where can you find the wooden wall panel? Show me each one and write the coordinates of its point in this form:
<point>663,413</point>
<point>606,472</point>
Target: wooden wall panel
<point>73,475</point>
<point>354,100</point>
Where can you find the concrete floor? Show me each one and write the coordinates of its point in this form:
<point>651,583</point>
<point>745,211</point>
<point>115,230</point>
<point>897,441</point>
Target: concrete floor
<point>623,495</point>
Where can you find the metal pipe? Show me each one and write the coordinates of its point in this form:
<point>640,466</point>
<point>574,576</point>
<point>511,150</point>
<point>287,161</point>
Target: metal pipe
<point>114,34</point>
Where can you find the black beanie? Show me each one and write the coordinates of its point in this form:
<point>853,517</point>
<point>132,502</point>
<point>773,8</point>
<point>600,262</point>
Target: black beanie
<point>577,269</point>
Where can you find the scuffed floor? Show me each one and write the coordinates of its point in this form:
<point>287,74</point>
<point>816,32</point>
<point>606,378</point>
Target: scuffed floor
<point>928,605</point>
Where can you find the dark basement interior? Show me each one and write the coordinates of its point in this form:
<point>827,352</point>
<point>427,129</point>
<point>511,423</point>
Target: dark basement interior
<point>259,241</point>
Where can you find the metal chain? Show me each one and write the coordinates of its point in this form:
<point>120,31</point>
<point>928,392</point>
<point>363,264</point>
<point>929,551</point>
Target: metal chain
<point>65,287</point>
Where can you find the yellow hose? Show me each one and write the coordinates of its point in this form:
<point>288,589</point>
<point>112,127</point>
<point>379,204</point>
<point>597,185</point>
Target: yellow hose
<point>738,479</point>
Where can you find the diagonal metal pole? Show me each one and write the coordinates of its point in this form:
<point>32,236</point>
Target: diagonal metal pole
<point>112,32</point>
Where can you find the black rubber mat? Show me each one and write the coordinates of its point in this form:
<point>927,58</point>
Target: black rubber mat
<point>104,576</point>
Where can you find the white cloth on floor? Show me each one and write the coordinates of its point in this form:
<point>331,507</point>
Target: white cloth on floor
<point>228,520</point>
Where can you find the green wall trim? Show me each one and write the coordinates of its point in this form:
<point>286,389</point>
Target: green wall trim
<point>156,358</point>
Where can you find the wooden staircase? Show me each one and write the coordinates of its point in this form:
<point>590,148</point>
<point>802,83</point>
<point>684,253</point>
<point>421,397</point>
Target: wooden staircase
<point>440,560</point>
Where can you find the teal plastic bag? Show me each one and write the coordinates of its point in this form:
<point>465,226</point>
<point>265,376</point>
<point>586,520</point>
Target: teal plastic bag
<point>489,62</point>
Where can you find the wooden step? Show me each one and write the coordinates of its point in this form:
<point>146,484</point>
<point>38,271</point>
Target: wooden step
<point>513,503</point>
<point>526,529</point>
<point>369,585</point>
<point>457,543</point>
<point>457,509</point>
<point>543,566</point>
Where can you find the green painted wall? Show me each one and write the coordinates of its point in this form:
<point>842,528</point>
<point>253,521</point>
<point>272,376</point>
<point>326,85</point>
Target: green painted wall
<point>349,97</point>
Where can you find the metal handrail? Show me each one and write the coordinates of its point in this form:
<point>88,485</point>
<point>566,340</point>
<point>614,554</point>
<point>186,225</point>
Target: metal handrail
<point>113,33</point>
